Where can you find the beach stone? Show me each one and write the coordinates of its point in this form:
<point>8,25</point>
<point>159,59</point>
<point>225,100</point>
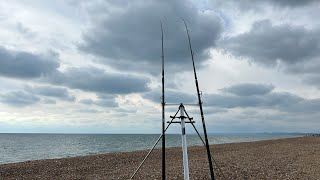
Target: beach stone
<point>292,158</point>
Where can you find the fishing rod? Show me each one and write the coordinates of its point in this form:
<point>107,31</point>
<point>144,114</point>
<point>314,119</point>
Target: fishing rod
<point>163,112</point>
<point>182,121</point>
<point>200,104</point>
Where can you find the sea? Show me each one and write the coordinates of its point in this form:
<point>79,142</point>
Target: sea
<point>25,147</point>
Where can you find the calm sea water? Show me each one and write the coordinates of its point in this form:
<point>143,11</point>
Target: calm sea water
<point>24,147</point>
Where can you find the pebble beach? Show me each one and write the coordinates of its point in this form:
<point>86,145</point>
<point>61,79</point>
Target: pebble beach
<point>291,158</point>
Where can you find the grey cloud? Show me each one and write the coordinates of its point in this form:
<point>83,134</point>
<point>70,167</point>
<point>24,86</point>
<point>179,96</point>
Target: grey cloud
<point>248,89</point>
<point>207,110</point>
<point>171,96</point>
<point>103,100</point>
<point>106,103</point>
<point>312,79</point>
<point>100,81</point>
<point>24,30</point>
<point>291,3</point>
<point>270,100</point>
<point>304,106</point>
<point>49,101</point>
<point>50,91</point>
<point>245,5</point>
<point>295,49</point>
<point>236,96</point>
<point>230,101</point>
<point>31,95</point>
<point>310,67</point>
<point>88,111</point>
<point>245,95</point>
<point>86,101</point>
<point>267,44</point>
<point>129,36</point>
<point>19,98</point>
<point>126,111</point>
<point>26,65</point>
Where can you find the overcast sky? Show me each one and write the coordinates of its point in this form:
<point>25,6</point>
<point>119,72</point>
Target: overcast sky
<point>76,66</point>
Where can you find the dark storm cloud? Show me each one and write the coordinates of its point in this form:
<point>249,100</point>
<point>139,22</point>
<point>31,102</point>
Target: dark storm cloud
<point>97,80</point>
<point>50,91</point>
<point>269,44</point>
<point>129,35</point>
<point>26,65</point>
<point>19,98</point>
<point>248,89</point>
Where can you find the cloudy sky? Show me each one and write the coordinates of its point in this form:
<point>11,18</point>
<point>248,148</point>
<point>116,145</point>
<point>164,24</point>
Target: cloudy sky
<point>73,66</point>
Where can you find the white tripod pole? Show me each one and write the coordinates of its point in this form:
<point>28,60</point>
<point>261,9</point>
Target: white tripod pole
<point>184,145</point>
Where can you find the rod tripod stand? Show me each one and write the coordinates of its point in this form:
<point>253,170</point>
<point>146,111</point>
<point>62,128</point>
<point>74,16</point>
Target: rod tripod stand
<point>182,121</point>
<point>184,118</point>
